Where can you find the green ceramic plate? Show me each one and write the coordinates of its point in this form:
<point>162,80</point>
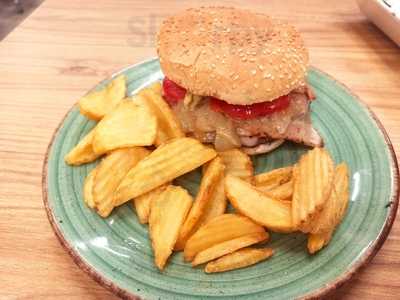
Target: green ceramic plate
<point>116,251</point>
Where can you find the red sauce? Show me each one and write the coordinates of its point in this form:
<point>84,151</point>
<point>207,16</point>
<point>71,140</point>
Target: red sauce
<point>245,112</point>
<point>172,92</point>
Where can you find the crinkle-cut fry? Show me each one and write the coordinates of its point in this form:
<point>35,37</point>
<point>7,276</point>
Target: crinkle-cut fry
<point>212,175</point>
<point>156,87</point>
<point>313,182</point>
<point>143,203</point>
<point>96,104</point>
<point>229,246</point>
<point>220,229</point>
<point>281,192</point>
<point>325,219</point>
<point>317,241</point>
<point>249,201</point>
<point>169,161</point>
<point>128,125</point>
<point>83,152</point>
<point>336,204</point>
<point>238,259</point>
<point>273,178</point>
<point>169,126</point>
<point>341,186</point>
<point>110,172</point>
<point>217,204</point>
<point>87,189</point>
<point>167,214</point>
<point>237,163</point>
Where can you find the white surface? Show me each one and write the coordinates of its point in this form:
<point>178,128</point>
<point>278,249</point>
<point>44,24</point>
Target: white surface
<point>385,15</point>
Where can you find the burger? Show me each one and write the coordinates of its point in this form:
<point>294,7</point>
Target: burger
<point>236,79</point>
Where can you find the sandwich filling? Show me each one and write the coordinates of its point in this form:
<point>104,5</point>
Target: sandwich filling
<point>257,128</point>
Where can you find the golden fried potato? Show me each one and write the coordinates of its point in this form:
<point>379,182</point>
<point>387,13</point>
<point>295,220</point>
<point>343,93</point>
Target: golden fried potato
<point>313,182</point>
<point>238,259</point>
<point>282,192</point>
<point>249,201</point>
<point>229,246</point>
<point>168,211</point>
<point>212,175</point>
<point>218,230</point>
<point>87,189</point>
<point>237,163</point>
<point>341,186</point>
<point>169,126</point>
<point>169,161</point>
<point>110,173</point>
<point>97,104</point>
<point>126,126</point>
<point>83,152</point>
<point>272,179</point>
<point>143,203</point>
<point>324,220</point>
<point>336,204</point>
<point>316,241</point>
<point>332,213</point>
<point>156,87</point>
<point>217,204</point>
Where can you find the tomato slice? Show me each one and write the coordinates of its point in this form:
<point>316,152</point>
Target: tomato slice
<point>173,93</point>
<point>245,112</point>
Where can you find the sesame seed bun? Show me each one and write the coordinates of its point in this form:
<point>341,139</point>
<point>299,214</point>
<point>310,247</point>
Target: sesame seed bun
<point>232,54</point>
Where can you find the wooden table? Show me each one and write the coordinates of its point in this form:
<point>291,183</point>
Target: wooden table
<point>65,47</point>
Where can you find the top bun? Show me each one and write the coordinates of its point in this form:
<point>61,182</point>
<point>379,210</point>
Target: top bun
<point>235,55</point>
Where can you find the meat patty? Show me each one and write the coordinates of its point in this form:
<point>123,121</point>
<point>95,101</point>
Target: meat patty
<point>257,135</point>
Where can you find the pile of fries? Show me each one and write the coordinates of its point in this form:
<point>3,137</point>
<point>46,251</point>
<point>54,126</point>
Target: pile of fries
<point>144,149</point>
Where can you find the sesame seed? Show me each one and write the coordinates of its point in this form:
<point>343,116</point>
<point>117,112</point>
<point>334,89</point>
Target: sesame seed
<point>267,75</point>
<point>253,72</point>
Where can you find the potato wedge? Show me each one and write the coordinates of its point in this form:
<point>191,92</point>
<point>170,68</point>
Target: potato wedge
<point>212,175</point>
<point>336,204</point>
<point>274,177</point>
<point>249,201</point>
<point>83,152</point>
<point>97,104</point>
<point>126,126</point>
<point>168,211</point>
<point>167,162</point>
<point>156,87</point>
<point>110,172</point>
<point>227,247</point>
<point>324,220</point>
<point>169,126</point>
<point>217,204</point>
<point>218,230</point>
<point>313,182</point>
<point>333,212</point>
<point>87,189</point>
<point>237,163</point>
<point>238,259</point>
<point>282,192</point>
<point>317,241</point>
<point>143,203</point>
<point>341,186</point>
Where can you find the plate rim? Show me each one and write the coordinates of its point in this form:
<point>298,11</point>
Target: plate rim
<point>323,291</point>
